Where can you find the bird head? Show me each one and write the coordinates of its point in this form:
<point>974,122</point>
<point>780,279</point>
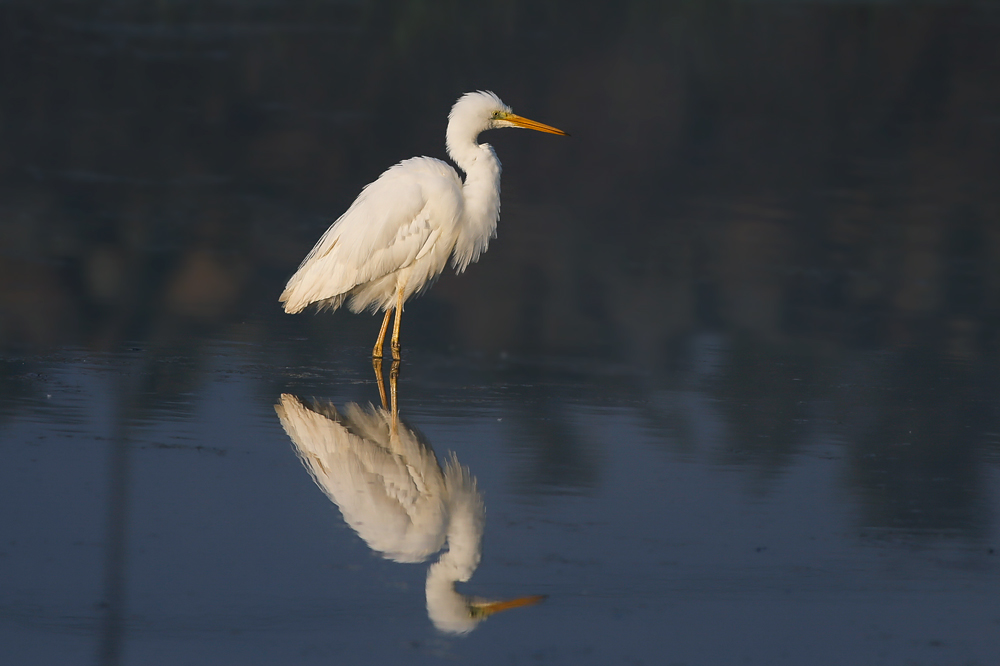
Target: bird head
<point>460,614</point>
<point>480,609</point>
<point>482,110</point>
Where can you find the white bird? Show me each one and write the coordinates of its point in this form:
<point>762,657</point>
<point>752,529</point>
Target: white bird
<point>396,237</point>
<point>391,490</point>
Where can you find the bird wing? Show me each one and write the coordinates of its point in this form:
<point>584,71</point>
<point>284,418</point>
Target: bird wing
<point>391,495</point>
<point>394,221</point>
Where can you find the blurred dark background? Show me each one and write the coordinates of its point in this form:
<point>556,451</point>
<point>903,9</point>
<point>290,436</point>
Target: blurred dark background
<point>824,173</point>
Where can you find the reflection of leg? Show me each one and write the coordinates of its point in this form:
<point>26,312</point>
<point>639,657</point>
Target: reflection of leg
<point>395,324</point>
<point>377,352</point>
<point>377,365</point>
<point>393,379</point>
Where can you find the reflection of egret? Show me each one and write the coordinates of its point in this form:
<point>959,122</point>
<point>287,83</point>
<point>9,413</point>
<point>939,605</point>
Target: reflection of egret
<point>394,494</point>
<point>396,237</point>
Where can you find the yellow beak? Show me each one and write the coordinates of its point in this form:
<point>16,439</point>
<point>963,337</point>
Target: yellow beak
<point>527,123</point>
<point>487,608</point>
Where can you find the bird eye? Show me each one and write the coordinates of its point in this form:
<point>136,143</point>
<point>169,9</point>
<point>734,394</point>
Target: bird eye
<point>496,114</point>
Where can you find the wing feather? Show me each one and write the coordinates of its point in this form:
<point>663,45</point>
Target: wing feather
<point>389,492</point>
<point>393,222</point>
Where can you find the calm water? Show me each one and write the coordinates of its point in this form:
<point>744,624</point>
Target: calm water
<point>726,382</point>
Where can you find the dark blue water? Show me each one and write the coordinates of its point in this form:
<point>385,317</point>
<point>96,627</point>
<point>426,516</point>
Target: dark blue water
<point>726,380</point>
<point>646,514</point>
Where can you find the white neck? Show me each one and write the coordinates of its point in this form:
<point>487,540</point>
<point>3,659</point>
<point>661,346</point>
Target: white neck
<point>447,608</point>
<point>481,193</point>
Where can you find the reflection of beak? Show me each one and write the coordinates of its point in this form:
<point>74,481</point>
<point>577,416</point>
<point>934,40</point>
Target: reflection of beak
<point>521,121</point>
<point>487,608</point>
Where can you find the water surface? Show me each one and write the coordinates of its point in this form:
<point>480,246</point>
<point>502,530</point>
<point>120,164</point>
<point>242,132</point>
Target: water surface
<point>726,380</point>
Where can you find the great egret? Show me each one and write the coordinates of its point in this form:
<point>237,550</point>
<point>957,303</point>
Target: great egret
<point>391,490</point>
<point>396,237</point>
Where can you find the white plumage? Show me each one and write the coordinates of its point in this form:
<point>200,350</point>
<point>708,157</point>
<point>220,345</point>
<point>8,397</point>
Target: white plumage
<point>388,486</point>
<point>397,236</point>
<point>391,490</point>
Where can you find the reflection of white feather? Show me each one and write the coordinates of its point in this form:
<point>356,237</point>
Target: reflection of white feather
<point>448,610</point>
<point>389,487</point>
<point>394,494</point>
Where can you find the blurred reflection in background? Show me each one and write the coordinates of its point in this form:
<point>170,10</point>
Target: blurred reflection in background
<point>391,490</point>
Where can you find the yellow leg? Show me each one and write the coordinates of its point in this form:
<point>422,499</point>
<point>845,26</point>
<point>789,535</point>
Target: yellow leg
<point>395,324</point>
<point>377,366</point>
<point>377,351</point>
<point>393,378</point>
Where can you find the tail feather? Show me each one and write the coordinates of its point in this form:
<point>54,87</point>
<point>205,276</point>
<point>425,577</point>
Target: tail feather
<point>294,303</point>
